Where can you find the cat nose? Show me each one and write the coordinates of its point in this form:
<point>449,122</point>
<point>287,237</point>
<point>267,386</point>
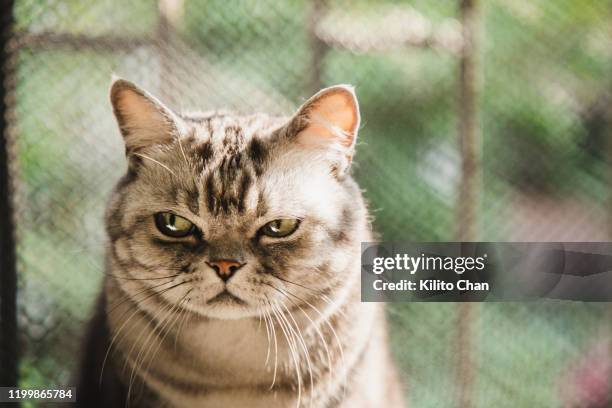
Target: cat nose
<point>225,268</point>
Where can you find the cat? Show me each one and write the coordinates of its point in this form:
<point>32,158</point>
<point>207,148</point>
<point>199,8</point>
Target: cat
<point>233,268</point>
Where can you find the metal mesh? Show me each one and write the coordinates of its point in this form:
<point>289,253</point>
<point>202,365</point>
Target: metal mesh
<point>543,113</point>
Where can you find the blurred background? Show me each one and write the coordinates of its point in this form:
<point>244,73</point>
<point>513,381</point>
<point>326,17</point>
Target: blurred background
<point>483,120</point>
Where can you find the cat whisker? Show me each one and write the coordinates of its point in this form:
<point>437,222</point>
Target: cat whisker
<point>147,346</point>
<point>138,302</point>
<point>317,291</point>
<point>145,279</point>
<point>186,316</point>
<point>261,314</point>
<point>300,337</point>
<point>167,327</point>
<point>108,350</point>
<point>320,293</point>
<point>179,311</point>
<point>182,151</point>
<point>273,330</point>
<point>155,161</point>
<point>161,326</point>
<point>275,350</point>
<point>132,296</point>
<point>333,331</point>
<point>340,347</point>
<point>314,325</point>
<point>135,362</point>
<point>292,348</point>
<point>137,341</point>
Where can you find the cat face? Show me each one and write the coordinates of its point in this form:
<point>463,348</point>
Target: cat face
<point>229,215</point>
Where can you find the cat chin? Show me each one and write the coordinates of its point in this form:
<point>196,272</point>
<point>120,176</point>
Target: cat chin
<point>225,308</point>
<point>228,312</point>
<point>224,305</point>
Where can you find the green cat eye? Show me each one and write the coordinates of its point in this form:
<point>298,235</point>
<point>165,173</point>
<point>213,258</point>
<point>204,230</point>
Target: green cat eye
<point>172,225</point>
<point>280,228</point>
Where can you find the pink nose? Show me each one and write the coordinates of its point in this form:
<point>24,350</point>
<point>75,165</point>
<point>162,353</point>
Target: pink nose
<point>225,268</point>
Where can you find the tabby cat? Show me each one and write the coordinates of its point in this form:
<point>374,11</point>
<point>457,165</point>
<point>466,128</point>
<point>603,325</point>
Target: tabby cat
<point>233,268</point>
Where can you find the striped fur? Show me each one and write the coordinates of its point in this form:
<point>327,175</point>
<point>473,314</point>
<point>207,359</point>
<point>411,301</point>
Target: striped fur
<point>293,333</point>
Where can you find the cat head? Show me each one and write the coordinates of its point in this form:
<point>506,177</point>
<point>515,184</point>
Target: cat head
<point>229,215</point>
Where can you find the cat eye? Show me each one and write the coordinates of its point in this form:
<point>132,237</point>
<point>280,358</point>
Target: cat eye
<point>280,228</point>
<point>172,225</point>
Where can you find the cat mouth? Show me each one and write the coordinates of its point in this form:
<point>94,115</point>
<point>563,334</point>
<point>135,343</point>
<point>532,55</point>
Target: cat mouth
<point>225,297</point>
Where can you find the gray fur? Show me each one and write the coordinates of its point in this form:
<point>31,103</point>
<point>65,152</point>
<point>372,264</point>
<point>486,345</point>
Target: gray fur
<point>175,341</point>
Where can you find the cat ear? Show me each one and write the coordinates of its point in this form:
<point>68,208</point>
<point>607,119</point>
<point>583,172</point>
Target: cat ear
<point>330,119</point>
<point>143,120</point>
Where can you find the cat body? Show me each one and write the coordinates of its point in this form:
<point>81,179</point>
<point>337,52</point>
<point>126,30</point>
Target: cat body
<point>233,264</point>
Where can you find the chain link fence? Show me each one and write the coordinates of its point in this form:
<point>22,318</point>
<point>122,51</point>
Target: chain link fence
<point>519,92</point>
